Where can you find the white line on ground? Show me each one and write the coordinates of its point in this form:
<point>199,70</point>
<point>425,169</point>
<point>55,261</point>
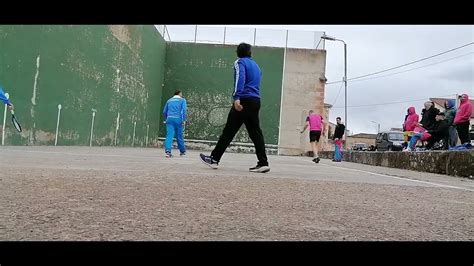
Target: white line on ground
<point>400,178</point>
<point>81,168</point>
<point>299,159</point>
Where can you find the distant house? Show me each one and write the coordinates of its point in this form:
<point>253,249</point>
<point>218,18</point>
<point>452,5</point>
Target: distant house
<point>439,103</point>
<point>366,138</point>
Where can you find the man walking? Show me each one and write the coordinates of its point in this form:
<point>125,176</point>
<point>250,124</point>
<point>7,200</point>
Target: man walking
<point>245,110</point>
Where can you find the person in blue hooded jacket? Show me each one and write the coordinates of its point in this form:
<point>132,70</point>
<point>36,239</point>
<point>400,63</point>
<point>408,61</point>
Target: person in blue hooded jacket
<point>450,113</point>
<point>245,110</point>
<point>4,99</point>
<point>175,118</point>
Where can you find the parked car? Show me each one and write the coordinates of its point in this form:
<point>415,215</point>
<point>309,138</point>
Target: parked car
<point>389,141</point>
<point>360,147</point>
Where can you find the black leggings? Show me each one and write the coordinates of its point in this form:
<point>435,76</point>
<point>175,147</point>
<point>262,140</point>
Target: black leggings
<point>463,132</point>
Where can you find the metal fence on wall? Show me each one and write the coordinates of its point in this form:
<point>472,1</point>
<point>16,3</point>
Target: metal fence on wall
<point>233,35</point>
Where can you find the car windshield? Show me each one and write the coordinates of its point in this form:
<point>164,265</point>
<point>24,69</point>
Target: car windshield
<point>395,136</point>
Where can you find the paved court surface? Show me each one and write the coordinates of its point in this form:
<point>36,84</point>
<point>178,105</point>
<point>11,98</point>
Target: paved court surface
<point>83,193</point>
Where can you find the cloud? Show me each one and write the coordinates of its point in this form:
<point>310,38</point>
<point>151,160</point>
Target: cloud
<point>462,73</point>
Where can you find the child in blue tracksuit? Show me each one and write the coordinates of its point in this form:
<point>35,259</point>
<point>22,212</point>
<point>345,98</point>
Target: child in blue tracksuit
<point>175,117</point>
<point>4,99</point>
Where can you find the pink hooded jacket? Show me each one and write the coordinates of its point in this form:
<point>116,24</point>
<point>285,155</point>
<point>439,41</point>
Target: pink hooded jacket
<point>464,111</point>
<point>411,120</point>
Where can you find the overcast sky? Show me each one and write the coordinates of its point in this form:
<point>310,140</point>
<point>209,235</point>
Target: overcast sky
<point>372,48</point>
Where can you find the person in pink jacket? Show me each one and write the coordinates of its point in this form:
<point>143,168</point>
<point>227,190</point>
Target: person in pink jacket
<point>462,119</point>
<point>411,121</point>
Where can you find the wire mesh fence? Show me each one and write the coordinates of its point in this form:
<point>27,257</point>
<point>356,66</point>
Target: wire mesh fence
<point>233,35</point>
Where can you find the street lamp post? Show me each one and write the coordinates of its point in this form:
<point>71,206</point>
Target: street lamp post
<point>325,37</point>
<point>378,126</point>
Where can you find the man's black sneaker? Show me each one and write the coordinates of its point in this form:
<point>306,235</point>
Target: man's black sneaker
<point>260,169</point>
<point>207,160</point>
<point>316,160</point>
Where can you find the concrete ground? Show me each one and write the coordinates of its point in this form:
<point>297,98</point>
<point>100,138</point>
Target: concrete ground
<point>100,193</point>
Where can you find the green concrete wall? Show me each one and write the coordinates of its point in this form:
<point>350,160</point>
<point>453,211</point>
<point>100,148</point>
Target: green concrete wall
<point>113,69</point>
<point>129,70</point>
<point>204,72</point>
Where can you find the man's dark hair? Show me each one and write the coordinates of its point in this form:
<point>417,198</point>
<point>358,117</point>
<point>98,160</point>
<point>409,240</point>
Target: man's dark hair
<point>338,118</point>
<point>177,92</point>
<point>244,50</point>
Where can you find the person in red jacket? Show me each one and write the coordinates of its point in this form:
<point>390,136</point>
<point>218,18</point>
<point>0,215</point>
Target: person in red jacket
<point>462,119</point>
<point>411,121</point>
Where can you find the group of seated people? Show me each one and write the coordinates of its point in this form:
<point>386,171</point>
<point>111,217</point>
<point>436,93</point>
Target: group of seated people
<point>439,133</point>
<point>432,128</point>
